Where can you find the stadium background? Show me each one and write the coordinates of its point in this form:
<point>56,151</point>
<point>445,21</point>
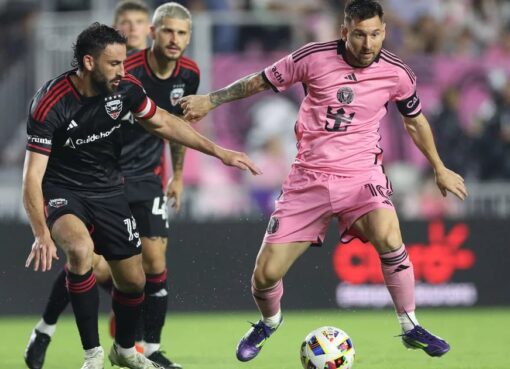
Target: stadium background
<point>460,52</point>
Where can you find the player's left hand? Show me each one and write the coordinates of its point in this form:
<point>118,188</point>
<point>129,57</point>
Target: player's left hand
<point>174,190</point>
<point>449,181</point>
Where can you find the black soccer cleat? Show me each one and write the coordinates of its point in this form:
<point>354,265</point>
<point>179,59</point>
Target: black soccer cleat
<point>159,358</point>
<point>36,349</point>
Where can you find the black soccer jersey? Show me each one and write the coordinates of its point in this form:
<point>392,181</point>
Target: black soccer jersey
<point>81,134</point>
<point>142,152</point>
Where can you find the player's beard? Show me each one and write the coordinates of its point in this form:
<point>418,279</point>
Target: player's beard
<point>160,54</point>
<point>101,84</point>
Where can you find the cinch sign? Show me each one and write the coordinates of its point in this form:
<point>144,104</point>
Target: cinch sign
<point>357,266</point>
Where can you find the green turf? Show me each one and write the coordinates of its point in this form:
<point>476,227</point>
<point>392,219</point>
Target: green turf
<point>479,338</point>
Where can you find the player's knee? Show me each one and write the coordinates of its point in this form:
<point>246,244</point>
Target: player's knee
<point>154,265</point>
<point>388,239</point>
<point>79,256</point>
<point>267,276</point>
<point>131,284</point>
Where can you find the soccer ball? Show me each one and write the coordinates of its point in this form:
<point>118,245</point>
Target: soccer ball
<point>327,348</point>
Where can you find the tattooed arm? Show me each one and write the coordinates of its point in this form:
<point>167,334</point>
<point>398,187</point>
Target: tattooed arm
<point>197,106</point>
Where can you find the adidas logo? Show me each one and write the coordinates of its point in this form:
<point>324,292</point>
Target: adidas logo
<point>400,268</point>
<point>351,77</point>
<point>72,125</point>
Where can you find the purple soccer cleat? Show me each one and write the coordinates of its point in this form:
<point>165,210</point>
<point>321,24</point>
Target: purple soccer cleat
<point>252,342</point>
<point>420,338</point>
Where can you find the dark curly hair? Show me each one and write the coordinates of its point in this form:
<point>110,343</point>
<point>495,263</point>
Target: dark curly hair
<point>362,9</point>
<point>93,40</point>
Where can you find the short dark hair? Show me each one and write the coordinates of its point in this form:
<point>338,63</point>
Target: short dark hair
<point>93,40</point>
<point>362,9</point>
<point>129,5</point>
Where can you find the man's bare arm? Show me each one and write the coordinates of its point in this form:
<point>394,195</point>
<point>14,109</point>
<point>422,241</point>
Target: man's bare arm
<point>196,107</point>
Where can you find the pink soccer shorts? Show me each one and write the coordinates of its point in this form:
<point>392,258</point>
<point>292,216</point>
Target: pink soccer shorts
<point>310,199</point>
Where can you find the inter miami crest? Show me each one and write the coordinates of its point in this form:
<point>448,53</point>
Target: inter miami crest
<point>113,106</point>
<point>345,95</point>
<point>176,94</point>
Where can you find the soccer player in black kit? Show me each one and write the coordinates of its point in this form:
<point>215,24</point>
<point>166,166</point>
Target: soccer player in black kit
<point>72,184</point>
<point>166,76</point>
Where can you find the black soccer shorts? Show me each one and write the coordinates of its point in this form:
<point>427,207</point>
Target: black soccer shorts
<point>112,227</point>
<point>148,205</point>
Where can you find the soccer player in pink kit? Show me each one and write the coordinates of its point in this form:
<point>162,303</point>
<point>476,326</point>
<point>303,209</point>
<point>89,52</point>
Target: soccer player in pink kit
<point>338,169</point>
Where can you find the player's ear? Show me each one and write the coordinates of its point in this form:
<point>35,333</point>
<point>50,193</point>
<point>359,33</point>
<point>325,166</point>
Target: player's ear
<point>152,32</point>
<point>88,62</point>
<point>343,32</point>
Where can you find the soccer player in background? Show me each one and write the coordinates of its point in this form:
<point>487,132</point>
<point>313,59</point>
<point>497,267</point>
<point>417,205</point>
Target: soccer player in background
<point>72,184</point>
<point>166,76</point>
<point>338,169</point>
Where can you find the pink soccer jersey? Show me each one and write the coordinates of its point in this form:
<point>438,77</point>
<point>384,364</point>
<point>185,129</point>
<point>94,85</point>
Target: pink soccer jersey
<point>337,128</point>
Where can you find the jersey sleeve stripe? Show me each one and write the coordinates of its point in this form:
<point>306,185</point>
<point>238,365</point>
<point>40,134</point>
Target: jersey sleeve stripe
<point>146,110</point>
<point>398,65</point>
<point>38,149</point>
<point>399,61</point>
<point>132,66</point>
<point>134,60</point>
<point>48,97</point>
<point>53,102</point>
<point>313,51</point>
<point>305,49</point>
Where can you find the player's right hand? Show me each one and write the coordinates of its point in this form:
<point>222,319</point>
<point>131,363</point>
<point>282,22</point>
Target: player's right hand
<point>195,107</point>
<point>239,160</point>
<point>42,254</point>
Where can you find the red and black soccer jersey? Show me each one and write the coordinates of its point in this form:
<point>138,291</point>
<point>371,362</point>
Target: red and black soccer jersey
<point>80,134</point>
<point>142,152</point>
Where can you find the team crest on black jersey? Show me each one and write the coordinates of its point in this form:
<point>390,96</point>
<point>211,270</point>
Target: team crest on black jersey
<point>176,94</point>
<point>113,106</point>
<point>345,95</point>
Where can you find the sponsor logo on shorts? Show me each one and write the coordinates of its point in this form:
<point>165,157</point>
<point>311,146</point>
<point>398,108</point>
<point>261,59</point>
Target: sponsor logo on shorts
<point>57,203</point>
<point>273,225</point>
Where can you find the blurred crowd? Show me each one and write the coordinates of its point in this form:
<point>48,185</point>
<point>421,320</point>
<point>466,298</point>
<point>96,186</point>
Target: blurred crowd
<point>473,140</point>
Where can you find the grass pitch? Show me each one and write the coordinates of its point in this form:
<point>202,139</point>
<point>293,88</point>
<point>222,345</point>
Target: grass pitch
<point>479,338</point>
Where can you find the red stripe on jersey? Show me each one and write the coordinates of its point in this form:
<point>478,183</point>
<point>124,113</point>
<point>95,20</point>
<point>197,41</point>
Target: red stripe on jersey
<point>177,68</point>
<point>135,58</point>
<point>132,79</point>
<point>190,66</point>
<point>53,102</point>
<point>132,66</point>
<point>49,95</point>
<point>39,148</point>
<point>142,106</point>
<point>189,61</point>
